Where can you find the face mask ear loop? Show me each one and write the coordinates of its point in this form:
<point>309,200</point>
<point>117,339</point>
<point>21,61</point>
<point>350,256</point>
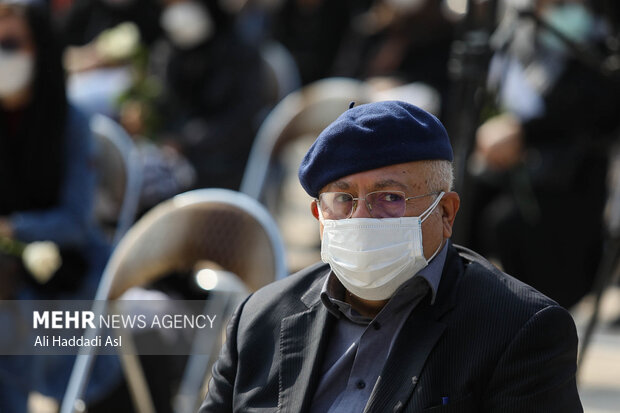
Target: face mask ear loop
<point>426,214</point>
<point>430,209</point>
<point>441,244</point>
<point>318,208</point>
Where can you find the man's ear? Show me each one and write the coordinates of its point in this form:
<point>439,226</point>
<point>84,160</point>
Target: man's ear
<point>449,207</point>
<point>314,207</point>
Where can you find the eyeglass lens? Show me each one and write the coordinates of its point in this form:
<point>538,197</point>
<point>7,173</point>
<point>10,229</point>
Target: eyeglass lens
<point>381,204</point>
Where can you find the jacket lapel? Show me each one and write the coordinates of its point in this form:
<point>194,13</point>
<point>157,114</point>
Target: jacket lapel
<point>404,365</point>
<point>415,342</point>
<point>302,339</point>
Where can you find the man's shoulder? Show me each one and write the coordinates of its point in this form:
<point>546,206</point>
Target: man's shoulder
<point>482,283</point>
<point>498,307</point>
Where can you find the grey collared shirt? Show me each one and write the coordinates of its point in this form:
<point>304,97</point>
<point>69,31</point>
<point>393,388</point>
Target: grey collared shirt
<point>359,346</point>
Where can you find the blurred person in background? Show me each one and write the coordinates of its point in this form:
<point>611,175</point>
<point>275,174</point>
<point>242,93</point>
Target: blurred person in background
<point>47,180</point>
<point>405,41</point>
<point>540,165</point>
<point>107,54</point>
<point>47,183</point>
<point>165,172</point>
<point>86,19</point>
<point>253,18</point>
<point>101,37</point>
<point>214,90</point>
<point>312,30</point>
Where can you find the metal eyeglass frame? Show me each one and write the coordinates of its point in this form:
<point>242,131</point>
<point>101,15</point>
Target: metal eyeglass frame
<point>355,200</point>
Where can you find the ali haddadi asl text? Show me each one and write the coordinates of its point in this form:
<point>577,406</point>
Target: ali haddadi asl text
<point>75,341</point>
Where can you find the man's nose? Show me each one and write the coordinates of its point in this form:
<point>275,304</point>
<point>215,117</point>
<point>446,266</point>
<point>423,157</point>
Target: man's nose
<point>361,210</point>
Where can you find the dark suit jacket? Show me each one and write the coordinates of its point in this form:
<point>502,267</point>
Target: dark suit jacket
<point>489,343</point>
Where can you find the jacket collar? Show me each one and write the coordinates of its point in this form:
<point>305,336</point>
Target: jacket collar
<point>303,340</point>
<point>415,342</point>
<point>312,297</point>
<point>302,343</point>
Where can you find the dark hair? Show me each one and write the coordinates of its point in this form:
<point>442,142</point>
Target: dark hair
<point>31,161</point>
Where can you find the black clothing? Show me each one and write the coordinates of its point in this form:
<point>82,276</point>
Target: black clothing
<point>215,99</point>
<point>489,343</point>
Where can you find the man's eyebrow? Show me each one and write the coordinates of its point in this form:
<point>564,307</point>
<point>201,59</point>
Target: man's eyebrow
<point>383,184</point>
<point>342,185</point>
<point>389,183</point>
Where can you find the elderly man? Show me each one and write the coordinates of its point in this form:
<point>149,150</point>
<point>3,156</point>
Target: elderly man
<point>398,319</point>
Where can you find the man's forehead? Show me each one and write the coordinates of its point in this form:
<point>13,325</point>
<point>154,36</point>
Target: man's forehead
<point>345,184</point>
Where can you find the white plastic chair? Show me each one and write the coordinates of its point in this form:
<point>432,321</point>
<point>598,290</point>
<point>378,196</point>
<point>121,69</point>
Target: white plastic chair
<point>119,176</point>
<point>218,225</point>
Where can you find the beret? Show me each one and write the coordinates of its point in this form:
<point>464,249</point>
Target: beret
<point>371,136</point>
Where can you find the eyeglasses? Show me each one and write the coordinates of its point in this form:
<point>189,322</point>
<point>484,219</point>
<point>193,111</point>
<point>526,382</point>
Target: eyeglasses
<point>380,204</point>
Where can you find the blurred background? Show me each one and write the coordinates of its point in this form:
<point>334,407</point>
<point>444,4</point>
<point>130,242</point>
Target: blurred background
<point>109,109</point>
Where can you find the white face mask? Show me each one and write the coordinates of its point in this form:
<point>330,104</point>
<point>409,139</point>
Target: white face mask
<point>573,20</point>
<point>373,257</point>
<point>16,70</point>
<point>187,24</point>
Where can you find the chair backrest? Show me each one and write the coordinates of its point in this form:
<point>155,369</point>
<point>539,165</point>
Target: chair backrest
<point>218,225</point>
<point>304,112</point>
<point>119,176</point>
<point>282,67</point>
<point>223,226</point>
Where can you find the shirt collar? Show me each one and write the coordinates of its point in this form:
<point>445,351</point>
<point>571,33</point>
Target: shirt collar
<point>432,272</point>
<point>332,296</point>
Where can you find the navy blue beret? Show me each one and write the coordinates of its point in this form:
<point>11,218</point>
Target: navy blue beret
<point>371,136</point>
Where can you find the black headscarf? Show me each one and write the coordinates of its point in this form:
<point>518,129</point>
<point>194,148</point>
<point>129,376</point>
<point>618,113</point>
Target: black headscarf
<point>86,19</point>
<point>31,151</point>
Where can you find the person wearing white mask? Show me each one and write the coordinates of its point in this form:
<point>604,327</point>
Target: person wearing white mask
<point>397,318</point>
<point>187,23</point>
<point>16,68</point>
<point>47,185</point>
<point>544,158</point>
<point>215,90</point>
<point>16,63</point>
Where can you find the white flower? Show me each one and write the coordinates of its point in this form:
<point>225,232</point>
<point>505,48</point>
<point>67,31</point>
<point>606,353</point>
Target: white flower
<point>118,43</point>
<point>41,259</point>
